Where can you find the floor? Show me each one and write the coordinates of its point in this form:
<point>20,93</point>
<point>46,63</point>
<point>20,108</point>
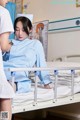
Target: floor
<point>49,117</point>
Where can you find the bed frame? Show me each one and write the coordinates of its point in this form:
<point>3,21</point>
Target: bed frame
<point>35,105</point>
<point>73,57</point>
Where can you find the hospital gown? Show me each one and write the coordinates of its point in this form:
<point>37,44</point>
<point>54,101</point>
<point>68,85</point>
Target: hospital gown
<point>26,53</point>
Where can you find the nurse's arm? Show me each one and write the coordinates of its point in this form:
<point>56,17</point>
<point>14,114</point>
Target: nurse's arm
<point>4,42</point>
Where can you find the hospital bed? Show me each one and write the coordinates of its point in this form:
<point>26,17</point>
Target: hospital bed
<point>66,87</point>
<point>68,58</point>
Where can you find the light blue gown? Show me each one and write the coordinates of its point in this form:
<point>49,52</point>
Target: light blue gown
<point>26,53</point>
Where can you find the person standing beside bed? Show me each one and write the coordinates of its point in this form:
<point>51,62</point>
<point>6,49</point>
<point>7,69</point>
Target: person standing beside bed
<point>25,53</point>
<point>6,90</point>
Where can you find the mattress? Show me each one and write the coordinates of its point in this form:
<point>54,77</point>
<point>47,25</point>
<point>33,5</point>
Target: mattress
<point>45,98</point>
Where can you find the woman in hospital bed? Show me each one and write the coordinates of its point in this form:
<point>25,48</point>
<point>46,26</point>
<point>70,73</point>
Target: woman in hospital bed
<point>25,52</point>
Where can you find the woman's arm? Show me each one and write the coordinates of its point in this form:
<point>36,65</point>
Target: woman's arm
<point>41,62</point>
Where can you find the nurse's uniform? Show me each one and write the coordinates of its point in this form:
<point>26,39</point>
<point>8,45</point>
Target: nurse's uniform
<point>6,90</point>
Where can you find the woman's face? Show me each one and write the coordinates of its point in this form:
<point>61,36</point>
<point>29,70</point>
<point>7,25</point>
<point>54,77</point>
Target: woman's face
<point>19,32</point>
<point>3,2</point>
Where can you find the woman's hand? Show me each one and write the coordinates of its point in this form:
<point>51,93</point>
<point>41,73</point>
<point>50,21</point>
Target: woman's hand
<point>48,86</point>
<point>9,46</point>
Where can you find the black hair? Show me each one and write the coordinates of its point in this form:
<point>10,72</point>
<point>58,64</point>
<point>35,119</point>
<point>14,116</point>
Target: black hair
<point>27,25</point>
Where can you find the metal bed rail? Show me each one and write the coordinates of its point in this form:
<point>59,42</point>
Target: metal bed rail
<point>66,57</point>
<point>55,72</point>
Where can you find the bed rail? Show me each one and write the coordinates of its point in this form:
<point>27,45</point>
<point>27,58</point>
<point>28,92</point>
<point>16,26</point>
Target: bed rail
<point>55,72</point>
<point>55,100</point>
<point>66,57</point>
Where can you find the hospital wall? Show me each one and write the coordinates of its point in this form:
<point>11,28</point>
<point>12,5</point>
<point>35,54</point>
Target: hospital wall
<point>60,43</point>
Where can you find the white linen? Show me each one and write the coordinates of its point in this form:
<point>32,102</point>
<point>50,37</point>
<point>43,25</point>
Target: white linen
<point>44,94</point>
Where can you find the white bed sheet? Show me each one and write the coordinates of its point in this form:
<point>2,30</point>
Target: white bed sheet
<point>44,96</point>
